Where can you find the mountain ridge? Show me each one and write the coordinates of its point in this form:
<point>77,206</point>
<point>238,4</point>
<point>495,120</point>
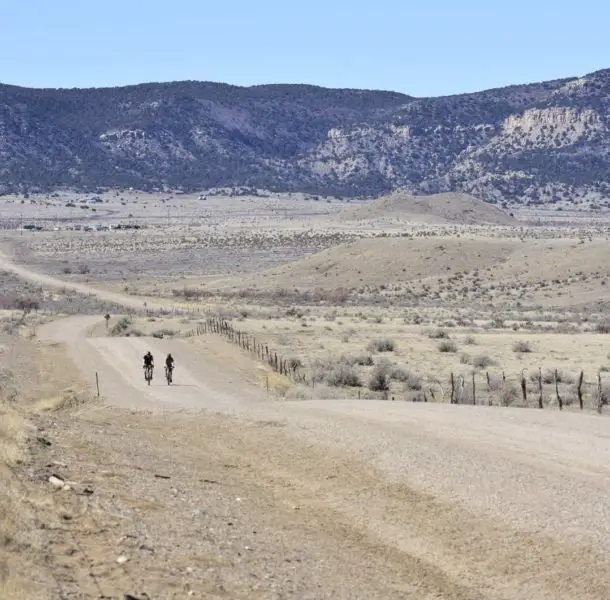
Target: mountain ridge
<point>536,143</point>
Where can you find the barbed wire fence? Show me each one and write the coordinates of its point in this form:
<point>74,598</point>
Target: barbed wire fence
<point>533,387</point>
<point>288,367</point>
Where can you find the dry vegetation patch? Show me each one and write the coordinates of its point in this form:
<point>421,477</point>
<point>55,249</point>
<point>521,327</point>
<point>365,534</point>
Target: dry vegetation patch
<point>357,354</point>
<point>30,374</point>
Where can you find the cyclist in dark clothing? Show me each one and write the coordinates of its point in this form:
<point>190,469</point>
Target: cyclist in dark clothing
<point>149,361</point>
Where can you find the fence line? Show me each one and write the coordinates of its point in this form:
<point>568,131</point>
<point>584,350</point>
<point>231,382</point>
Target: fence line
<point>288,367</point>
<point>503,392</point>
<point>464,389</point>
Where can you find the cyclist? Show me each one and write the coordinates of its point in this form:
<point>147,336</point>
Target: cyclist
<point>149,361</point>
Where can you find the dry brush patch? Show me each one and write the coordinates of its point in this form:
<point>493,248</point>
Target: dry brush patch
<point>343,351</point>
<point>23,377</point>
<point>157,326</point>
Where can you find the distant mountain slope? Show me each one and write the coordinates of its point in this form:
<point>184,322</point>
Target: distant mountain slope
<point>536,143</point>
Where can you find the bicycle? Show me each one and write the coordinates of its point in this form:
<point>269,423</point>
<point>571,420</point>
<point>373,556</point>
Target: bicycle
<point>148,373</point>
<point>169,374</point>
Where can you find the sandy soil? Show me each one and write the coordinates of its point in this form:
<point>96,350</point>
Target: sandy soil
<point>429,500</point>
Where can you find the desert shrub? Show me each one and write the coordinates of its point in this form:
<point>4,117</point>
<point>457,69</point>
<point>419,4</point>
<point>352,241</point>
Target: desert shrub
<point>567,328</point>
<point>603,327</point>
<point>343,375</point>
<point>465,359</point>
<point>163,333</point>
<point>10,326</point>
<point>188,293</point>
<point>380,380</point>
<point>295,363</point>
<point>438,334</point>
<point>522,346</point>
<point>11,301</point>
<point>509,394</point>
<point>470,340</point>
<point>363,360</point>
<point>482,361</point>
<point>548,377</point>
<point>447,346</point>
<point>83,268</point>
<point>293,311</point>
<point>413,382</point>
<point>381,345</point>
<point>121,326</point>
<point>335,373</point>
<point>399,374</point>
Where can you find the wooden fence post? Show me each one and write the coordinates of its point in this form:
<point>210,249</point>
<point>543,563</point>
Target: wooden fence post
<point>452,389</point>
<point>540,405</point>
<point>559,400</point>
<point>474,391</point>
<point>524,387</point>
<point>580,379</point>
<point>489,397</point>
<point>600,393</point>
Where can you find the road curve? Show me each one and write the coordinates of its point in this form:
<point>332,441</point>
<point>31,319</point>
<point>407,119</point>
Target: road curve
<point>483,502</point>
<point>53,282</point>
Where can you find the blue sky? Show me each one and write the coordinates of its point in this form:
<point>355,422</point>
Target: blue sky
<point>425,48</point>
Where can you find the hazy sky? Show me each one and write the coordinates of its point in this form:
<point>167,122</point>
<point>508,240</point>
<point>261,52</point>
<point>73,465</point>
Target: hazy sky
<point>424,48</point>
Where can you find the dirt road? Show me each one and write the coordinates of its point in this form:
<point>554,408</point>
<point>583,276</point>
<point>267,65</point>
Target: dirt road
<point>419,500</point>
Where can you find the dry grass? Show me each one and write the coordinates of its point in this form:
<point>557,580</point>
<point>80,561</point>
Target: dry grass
<point>30,371</point>
<point>13,438</point>
<point>69,398</point>
<point>13,435</point>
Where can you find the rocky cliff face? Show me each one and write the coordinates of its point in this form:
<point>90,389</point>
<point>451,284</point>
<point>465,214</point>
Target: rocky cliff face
<point>537,143</point>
